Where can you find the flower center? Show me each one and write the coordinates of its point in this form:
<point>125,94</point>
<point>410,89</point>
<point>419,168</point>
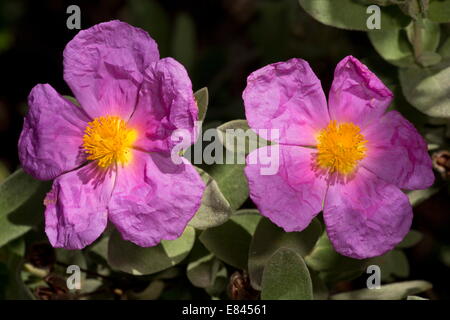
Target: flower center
<point>340,147</point>
<point>107,140</point>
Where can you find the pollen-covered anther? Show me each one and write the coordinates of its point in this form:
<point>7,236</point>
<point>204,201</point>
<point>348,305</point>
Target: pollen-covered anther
<point>107,140</point>
<point>340,147</point>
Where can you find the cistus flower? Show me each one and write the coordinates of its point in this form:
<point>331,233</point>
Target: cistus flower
<point>110,156</point>
<point>348,158</point>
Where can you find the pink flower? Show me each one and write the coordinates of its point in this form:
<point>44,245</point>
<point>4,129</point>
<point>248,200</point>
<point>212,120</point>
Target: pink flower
<point>110,156</point>
<point>348,159</point>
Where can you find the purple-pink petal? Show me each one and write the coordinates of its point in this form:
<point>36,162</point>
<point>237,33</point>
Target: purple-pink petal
<point>366,217</point>
<point>356,94</point>
<point>104,66</point>
<point>397,153</point>
<point>293,195</point>
<point>76,207</point>
<point>154,198</point>
<point>166,103</point>
<point>286,96</point>
<point>52,134</point>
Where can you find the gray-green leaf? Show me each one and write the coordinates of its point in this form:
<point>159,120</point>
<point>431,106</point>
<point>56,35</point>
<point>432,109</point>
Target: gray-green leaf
<point>202,100</point>
<point>215,208</point>
<point>286,277</point>
<point>21,205</point>
<point>411,239</point>
<point>332,266</point>
<point>428,89</point>
<point>349,14</point>
<point>393,291</point>
<point>268,238</point>
<point>130,258</point>
<point>232,182</point>
<point>230,241</point>
<point>439,11</point>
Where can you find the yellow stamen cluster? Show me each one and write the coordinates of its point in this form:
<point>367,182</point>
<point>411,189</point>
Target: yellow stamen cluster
<point>340,147</point>
<point>107,140</point>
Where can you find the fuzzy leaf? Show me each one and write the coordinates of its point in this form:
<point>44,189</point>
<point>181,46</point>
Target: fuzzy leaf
<point>411,239</point>
<point>130,258</point>
<point>332,266</point>
<point>215,208</point>
<point>202,100</point>
<point>230,241</point>
<point>393,291</point>
<point>232,182</point>
<point>439,11</point>
<point>393,46</point>
<point>269,238</point>
<point>428,89</point>
<point>286,277</point>
<point>349,14</point>
<point>21,205</point>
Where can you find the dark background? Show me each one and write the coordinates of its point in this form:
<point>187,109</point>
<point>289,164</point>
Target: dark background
<point>220,42</point>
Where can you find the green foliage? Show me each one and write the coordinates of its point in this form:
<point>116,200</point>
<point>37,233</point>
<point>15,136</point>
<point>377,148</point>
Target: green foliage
<point>394,291</point>
<point>268,238</point>
<point>202,99</point>
<point>412,238</point>
<point>21,205</point>
<point>73,100</point>
<point>12,286</point>
<point>130,258</point>
<point>393,264</point>
<point>332,266</point>
<point>439,11</point>
<point>208,273</point>
<point>215,208</point>
<point>396,45</point>
<point>231,181</point>
<point>393,46</point>
<point>444,50</point>
<point>152,292</point>
<point>430,34</point>
<point>428,89</point>
<point>351,15</point>
<point>286,277</point>
<point>415,298</point>
<point>230,242</point>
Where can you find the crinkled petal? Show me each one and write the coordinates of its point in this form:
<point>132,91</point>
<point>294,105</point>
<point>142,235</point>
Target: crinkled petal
<point>292,195</point>
<point>104,67</point>
<point>397,153</point>
<point>166,103</point>
<point>154,198</point>
<point>286,96</point>
<point>366,217</point>
<point>52,134</point>
<point>76,207</point>
<point>357,95</point>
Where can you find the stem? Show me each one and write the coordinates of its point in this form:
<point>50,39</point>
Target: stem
<point>417,30</point>
<point>417,39</point>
